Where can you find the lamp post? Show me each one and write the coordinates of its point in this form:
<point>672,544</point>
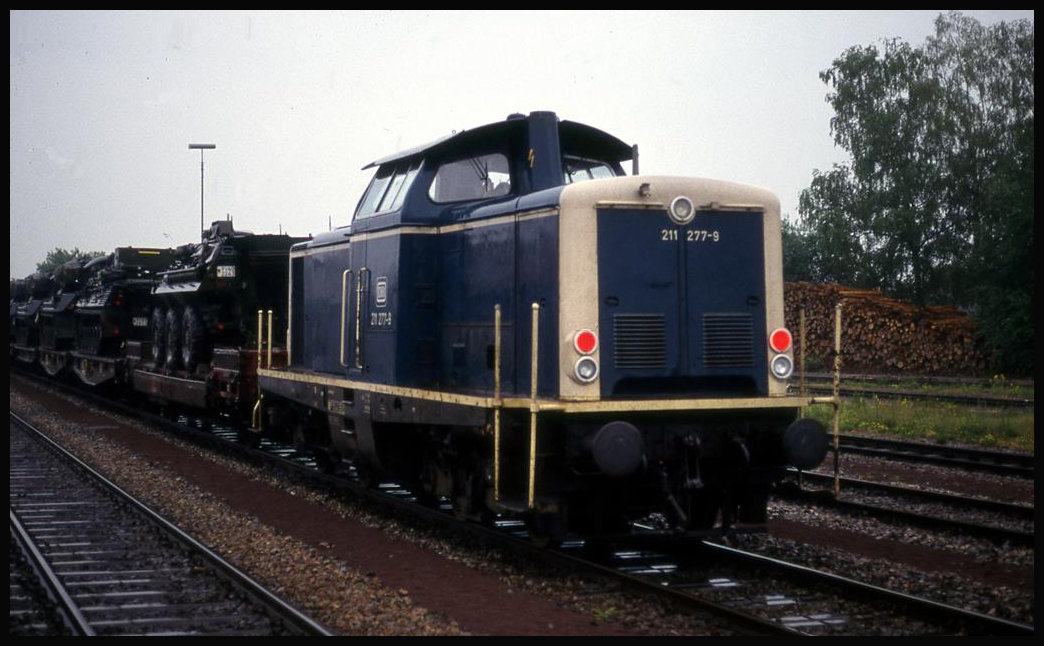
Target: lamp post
<point>201,148</point>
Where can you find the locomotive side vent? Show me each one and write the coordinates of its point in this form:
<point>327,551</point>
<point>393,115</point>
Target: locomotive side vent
<point>728,340</point>
<point>640,340</point>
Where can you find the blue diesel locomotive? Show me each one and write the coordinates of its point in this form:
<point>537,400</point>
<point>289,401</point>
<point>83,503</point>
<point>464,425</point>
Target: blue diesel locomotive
<point>515,325</point>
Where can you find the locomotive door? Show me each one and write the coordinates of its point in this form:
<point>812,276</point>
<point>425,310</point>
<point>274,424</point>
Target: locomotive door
<point>724,268</point>
<point>641,298</point>
<point>353,304</point>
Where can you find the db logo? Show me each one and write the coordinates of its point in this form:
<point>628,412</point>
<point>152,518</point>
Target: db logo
<point>382,291</point>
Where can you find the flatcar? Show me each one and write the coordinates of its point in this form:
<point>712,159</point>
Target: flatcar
<point>174,327</point>
<point>513,324</point>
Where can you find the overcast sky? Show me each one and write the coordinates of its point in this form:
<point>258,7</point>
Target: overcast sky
<point>105,104</point>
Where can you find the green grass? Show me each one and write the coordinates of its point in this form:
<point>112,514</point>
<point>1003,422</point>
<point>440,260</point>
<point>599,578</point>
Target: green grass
<point>943,423</point>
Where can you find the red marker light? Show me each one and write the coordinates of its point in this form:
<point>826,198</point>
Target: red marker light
<point>585,341</point>
<point>780,340</point>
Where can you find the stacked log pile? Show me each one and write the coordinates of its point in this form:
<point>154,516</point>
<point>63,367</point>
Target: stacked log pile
<point>882,335</point>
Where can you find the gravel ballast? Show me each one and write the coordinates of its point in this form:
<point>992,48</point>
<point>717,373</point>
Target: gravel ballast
<point>362,574</point>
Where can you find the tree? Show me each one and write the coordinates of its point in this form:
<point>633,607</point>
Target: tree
<point>833,233</point>
<point>798,250</point>
<point>935,203</point>
<point>58,257</point>
<point>1004,256</point>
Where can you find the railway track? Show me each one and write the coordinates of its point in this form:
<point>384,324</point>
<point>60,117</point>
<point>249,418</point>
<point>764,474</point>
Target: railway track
<point>822,384</point>
<point>1000,462</point>
<point>793,598</point>
<point>780,608</point>
<point>935,510</point>
<point>755,594</point>
<point>999,522</point>
<point>110,566</point>
<point>33,611</point>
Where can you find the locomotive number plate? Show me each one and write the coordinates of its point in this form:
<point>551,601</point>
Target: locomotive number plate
<point>691,235</point>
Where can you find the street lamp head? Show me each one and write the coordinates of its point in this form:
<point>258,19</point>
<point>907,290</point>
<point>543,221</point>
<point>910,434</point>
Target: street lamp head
<point>202,146</point>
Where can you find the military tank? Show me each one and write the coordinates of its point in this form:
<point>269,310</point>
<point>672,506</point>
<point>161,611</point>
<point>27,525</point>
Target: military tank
<point>209,297</point>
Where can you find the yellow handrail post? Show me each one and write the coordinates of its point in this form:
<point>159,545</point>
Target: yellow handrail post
<point>344,306</point>
<point>256,413</point>
<point>533,405</point>
<point>268,362</point>
<point>357,346</point>
<point>801,354</point>
<point>497,403</point>
<point>837,399</point>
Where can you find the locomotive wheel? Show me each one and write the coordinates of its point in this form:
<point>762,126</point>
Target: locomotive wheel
<point>327,461</point>
<point>543,528</point>
<point>194,340</point>
<point>174,337</point>
<point>469,496</point>
<point>159,336</point>
<point>364,472</point>
<point>249,437</point>
<point>701,509</point>
<point>85,332</point>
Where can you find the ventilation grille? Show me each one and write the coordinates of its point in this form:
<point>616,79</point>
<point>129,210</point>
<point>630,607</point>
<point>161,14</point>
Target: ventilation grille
<point>639,341</point>
<point>728,340</point>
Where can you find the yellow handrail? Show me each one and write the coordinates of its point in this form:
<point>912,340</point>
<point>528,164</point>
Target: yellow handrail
<point>534,405</point>
<point>497,403</point>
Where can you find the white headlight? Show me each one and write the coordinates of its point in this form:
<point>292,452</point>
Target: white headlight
<point>782,366</point>
<point>682,211</point>
<point>585,369</point>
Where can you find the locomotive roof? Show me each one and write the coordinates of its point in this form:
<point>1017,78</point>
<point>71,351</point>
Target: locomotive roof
<point>572,135</point>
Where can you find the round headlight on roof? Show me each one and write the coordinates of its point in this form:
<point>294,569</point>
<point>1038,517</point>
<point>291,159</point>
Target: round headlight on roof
<point>681,210</point>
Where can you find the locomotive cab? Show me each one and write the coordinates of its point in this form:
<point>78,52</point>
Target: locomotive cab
<point>428,315</point>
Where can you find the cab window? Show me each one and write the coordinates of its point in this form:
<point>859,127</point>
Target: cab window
<point>471,178</point>
<point>388,189</point>
<point>577,169</point>
<point>398,193</point>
